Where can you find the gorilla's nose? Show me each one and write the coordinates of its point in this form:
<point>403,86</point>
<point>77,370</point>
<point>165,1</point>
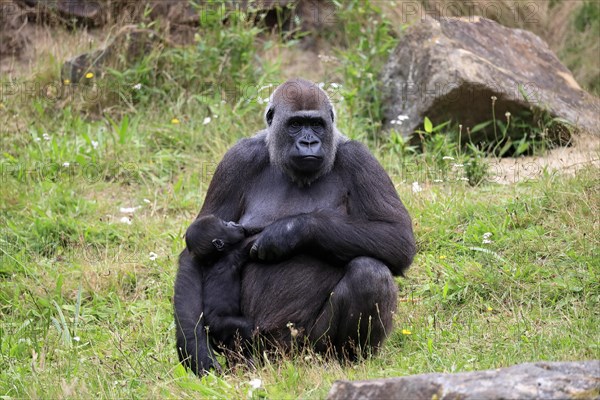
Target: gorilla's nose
<point>311,143</point>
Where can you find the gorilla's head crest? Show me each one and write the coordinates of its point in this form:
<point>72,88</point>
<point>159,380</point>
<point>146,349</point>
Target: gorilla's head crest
<point>301,133</point>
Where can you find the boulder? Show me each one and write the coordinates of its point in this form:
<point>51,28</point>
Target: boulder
<point>449,69</point>
<point>541,380</point>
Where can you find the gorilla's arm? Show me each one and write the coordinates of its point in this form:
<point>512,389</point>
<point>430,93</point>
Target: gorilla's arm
<point>377,224</point>
<point>234,173</point>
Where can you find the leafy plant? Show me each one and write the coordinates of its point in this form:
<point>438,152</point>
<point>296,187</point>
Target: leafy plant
<point>367,38</point>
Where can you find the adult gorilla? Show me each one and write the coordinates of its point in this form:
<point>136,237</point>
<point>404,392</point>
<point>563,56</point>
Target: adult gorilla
<point>335,234</point>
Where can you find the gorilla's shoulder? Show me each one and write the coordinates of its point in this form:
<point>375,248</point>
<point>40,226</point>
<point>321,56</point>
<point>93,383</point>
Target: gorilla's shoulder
<point>249,150</point>
<point>351,152</point>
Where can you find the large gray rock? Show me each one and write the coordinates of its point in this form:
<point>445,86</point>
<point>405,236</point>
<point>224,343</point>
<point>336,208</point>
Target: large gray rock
<point>542,380</point>
<point>450,69</point>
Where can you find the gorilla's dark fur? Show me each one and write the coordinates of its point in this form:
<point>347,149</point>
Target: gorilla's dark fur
<point>335,234</point>
<point>220,249</point>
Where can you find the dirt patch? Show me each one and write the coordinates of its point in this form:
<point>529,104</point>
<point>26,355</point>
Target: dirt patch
<point>564,160</point>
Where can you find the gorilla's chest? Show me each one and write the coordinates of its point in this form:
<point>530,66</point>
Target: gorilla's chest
<point>273,197</point>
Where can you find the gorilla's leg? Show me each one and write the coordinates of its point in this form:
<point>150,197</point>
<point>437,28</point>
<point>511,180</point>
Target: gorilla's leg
<point>228,328</point>
<point>358,314</point>
<point>235,334</point>
<point>192,341</point>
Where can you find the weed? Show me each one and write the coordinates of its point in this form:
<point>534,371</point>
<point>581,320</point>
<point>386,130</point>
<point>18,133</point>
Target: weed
<point>367,38</point>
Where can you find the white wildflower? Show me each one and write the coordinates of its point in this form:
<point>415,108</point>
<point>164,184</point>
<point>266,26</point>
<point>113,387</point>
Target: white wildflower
<point>94,144</point>
<point>334,85</point>
<point>416,188</point>
<point>37,139</point>
<point>66,164</point>
<point>206,121</point>
<point>255,383</point>
<point>76,338</point>
<point>128,210</point>
<point>458,165</point>
<point>147,201</point>
<point>46,136</point>
<point>486,238</point>
<point>438,180</point>
<point>259,100</point>
<point>137,86</point>
<point>447,158</point>
<point>152,256</point>
<point>125,220</point>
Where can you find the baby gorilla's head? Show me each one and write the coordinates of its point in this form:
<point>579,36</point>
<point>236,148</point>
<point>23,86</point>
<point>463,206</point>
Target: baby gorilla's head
<point>209,233</point>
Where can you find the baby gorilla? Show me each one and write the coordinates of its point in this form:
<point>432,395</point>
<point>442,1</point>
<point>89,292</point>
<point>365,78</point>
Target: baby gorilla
<point>221,249</point>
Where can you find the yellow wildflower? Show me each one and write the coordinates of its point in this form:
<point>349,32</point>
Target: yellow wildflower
<point>175,121</point>
<point>67,82</point>
<point>89,75</point>
<point>406,332</point>
<point>442,257</point>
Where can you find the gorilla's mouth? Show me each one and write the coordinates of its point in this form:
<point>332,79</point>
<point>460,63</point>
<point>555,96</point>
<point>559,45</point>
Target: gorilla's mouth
<point>309,159</point>
<point>308,163</point>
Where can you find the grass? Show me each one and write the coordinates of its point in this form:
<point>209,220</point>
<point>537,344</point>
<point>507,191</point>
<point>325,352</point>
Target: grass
<point>86,308</point>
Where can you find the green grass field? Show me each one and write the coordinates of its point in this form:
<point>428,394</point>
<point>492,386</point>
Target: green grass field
<point>94,206</point>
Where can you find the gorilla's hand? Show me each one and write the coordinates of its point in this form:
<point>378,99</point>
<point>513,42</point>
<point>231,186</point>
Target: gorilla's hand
<point>279,240</point>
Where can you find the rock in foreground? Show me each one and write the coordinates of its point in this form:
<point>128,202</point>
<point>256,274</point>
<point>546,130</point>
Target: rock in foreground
<point>542,380</point>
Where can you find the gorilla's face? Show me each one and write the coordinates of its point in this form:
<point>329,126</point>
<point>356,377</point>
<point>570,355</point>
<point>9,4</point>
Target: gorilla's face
<point>306,152</point>
<point>301,137</point>
<point>226,235</point>
<point>210,233</point>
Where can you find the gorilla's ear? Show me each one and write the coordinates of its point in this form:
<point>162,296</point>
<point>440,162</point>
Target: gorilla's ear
<point>269,116</point>
<point>332,116</point>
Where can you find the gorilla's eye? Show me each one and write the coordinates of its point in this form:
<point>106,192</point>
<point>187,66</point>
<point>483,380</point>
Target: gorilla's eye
<point>294,127</point>
<point>317,127</point>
